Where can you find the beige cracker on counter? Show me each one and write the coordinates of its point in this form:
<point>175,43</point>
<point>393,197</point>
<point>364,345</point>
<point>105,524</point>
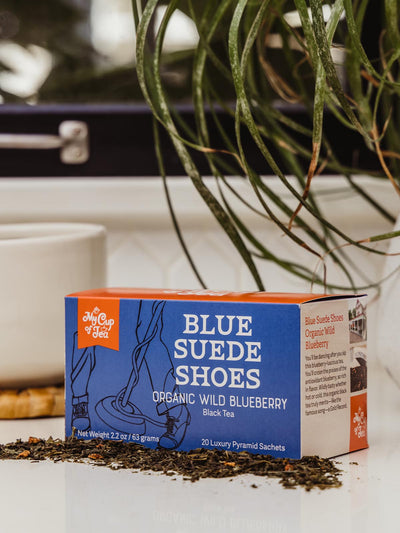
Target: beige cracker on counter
<point>32,402</point>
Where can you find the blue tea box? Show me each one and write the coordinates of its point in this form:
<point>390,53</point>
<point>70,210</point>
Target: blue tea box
<point>277,374</point>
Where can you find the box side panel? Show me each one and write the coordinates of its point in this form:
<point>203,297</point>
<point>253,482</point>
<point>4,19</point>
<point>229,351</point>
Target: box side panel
<point>358,373</point>
<point>191,374</point>
<point>333,373</point>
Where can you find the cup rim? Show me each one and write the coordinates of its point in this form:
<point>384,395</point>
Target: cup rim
<point>46,232</point>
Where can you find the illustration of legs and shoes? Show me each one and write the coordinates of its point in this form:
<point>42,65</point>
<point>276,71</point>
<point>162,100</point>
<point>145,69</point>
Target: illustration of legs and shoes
<point>120,411</point>
<point>83,363</point>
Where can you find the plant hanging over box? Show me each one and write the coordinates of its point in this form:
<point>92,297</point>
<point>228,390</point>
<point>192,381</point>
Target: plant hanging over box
<point>251,54</point>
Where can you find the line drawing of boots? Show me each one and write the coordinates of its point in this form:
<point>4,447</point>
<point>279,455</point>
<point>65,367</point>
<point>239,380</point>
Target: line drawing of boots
<point>83,363</point>
<point>177,414</point>
<point>178,419</point>
<point>80,413</point>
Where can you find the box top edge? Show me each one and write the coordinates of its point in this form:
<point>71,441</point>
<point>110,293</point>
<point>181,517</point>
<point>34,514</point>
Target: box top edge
<point>206,295</point>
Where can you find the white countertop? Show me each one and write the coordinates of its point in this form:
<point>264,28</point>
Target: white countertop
<point>47,497</point>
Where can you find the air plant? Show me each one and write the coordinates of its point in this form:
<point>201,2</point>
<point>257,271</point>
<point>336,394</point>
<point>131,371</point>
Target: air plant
<point>235,69</point>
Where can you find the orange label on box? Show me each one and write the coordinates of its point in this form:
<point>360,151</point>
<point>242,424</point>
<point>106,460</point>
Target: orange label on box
<point>98,322</point>
<point>358,422</point>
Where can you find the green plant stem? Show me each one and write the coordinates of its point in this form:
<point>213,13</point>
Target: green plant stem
<point>190,168</point>
<point>158,149</point>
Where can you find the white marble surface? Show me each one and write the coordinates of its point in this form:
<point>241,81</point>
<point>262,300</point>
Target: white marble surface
<point>47,497</point>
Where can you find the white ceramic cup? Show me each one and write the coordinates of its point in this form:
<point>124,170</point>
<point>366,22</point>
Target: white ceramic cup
<point>40,264</point>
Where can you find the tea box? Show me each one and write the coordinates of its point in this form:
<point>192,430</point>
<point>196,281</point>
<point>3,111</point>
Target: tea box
<point>270,373</point>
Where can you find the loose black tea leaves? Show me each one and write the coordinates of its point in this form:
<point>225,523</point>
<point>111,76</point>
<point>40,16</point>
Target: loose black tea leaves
<point>308,472</point>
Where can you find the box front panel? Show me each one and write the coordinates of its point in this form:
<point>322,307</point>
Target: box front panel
<point>186,375</point>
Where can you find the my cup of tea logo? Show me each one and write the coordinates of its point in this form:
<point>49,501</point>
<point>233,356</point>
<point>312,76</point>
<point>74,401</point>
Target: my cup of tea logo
<point>98,323</point>
<point>358,422</point>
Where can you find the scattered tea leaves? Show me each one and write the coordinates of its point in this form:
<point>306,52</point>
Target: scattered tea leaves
<point>23,454</point>
<point>308,472</point>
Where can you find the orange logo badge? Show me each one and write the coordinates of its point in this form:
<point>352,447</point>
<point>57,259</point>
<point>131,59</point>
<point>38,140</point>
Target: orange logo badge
<point>98,322</point>
<point>358,422</point>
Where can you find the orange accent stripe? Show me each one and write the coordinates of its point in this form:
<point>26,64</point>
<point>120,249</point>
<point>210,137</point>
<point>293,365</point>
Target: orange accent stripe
<point>168,294</point>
